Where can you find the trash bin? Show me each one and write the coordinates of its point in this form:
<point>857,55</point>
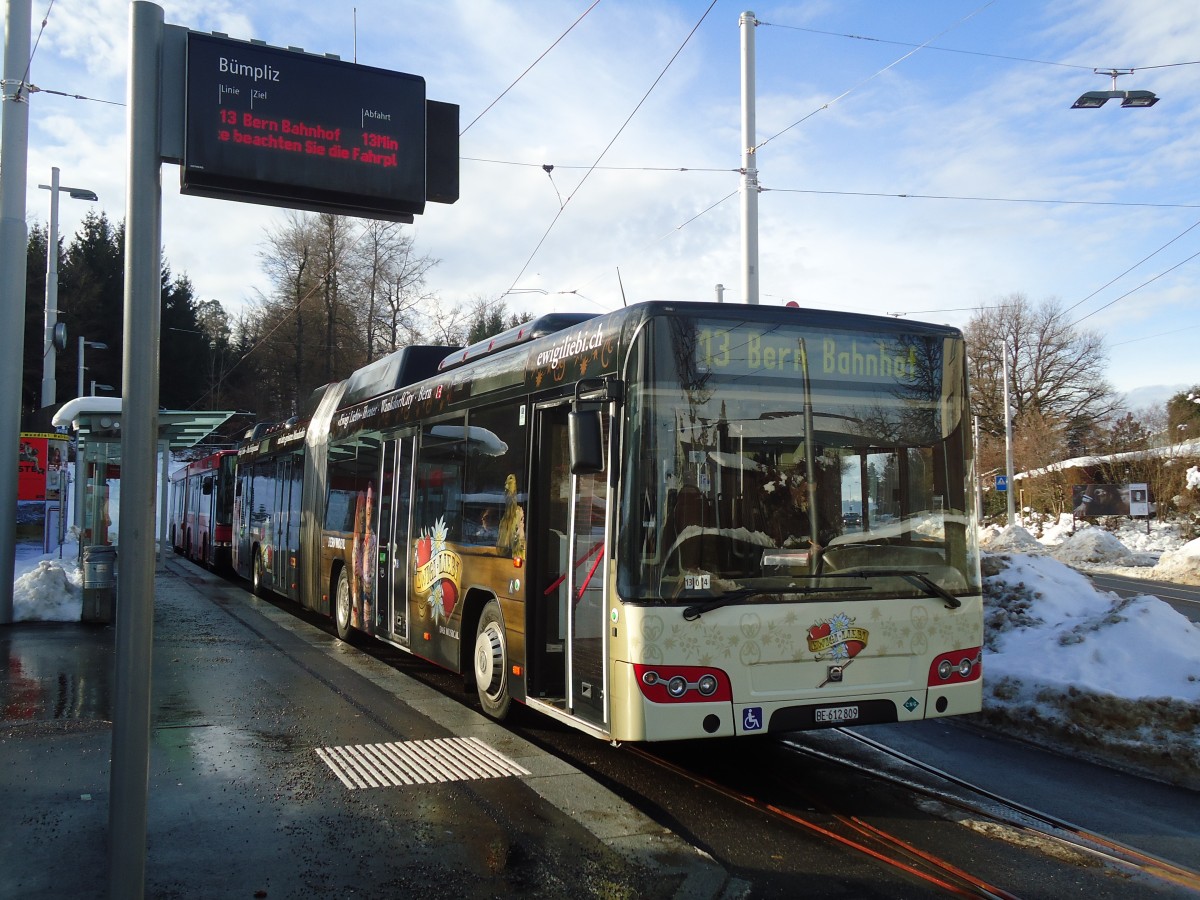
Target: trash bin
<point>99,583</point>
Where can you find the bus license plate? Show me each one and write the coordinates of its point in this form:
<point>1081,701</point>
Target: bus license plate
<point>837,714</point>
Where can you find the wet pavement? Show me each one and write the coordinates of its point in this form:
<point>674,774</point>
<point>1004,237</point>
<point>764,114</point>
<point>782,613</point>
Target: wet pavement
<point>262,728</point>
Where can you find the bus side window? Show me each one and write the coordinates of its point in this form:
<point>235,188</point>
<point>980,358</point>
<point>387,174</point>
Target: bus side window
<point>438,504</point>
<point>493,486</point>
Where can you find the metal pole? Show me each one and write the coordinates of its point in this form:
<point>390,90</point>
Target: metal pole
<point>49,352</point>
<point>14,247</point>
<point>747,24</point>
<point>79,386</point>
<point>164,448</point>
<point>720,293</point>
<point>139,443</point>
<point>978,479</point>
<point>1008,460</point>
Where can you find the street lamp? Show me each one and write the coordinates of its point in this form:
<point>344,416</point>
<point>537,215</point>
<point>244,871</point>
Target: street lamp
<point>1129,99</point>
<point>103,387</point>
<point>49,354</point>
<point>212,374</point>
<point>98,345</point>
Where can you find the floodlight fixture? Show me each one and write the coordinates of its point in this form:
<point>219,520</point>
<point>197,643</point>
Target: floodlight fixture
<point>1129,99</point>
<point>1139,99</point>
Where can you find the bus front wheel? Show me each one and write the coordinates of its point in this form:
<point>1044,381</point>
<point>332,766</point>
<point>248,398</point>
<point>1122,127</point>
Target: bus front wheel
<point>491,662</point>
<point>341,607</point>
<point>257,575</point>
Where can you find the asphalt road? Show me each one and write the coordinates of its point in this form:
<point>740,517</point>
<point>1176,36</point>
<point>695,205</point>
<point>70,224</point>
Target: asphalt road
<point>1183,597</point>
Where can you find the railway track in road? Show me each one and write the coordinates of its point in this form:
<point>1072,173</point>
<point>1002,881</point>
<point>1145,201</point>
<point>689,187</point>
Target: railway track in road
<point>1017,822</point>
<point>851,833</point>
<point>1086,858</point>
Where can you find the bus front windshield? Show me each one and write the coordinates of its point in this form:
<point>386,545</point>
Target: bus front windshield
<point>789,460</point>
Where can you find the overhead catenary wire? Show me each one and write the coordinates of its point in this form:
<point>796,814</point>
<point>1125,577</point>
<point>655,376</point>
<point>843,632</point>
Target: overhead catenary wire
<point>608,146</point>
<point>980,199</point>
<point>1148,281</point>
<point>33,51</point>
<point>936,48</point>
<point>873,76</point>
<point>1127,271</point>
<point>530,67</point>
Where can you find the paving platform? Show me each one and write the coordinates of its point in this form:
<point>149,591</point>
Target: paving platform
<point>284,763</point>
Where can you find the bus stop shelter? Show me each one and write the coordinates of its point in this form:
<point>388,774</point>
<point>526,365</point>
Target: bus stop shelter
<point>96,422</point>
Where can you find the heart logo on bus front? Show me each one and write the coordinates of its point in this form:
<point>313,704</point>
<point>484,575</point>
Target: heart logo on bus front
<point>837,638</point>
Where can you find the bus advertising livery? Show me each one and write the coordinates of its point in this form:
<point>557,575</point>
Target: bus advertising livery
<point>676,520</point>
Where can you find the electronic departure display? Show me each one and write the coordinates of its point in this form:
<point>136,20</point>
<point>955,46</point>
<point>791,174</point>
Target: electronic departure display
<point>288,128</point>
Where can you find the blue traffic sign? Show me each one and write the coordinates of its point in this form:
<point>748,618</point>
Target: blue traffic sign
<point>1002,482</point>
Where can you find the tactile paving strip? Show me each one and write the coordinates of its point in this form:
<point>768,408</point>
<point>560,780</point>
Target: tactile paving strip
<point>417,762</point>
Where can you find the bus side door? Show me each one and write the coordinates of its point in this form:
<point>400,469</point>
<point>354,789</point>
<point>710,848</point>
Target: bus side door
<point>395,488</point>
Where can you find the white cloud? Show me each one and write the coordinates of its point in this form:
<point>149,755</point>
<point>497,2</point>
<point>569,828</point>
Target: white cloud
<point>941,123</point>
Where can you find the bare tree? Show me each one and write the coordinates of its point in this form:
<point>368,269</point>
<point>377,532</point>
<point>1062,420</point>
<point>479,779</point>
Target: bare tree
<point>290,260</point>
<point>1055,370</point>
<point>391,287</point>
<point>343,340</point>
<point>344,293</point>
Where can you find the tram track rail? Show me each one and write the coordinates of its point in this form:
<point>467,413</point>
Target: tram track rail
<point>849,832</point>
<point>1040,826</point>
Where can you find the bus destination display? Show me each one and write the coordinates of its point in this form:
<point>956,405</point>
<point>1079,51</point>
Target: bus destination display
<point>287,128</point>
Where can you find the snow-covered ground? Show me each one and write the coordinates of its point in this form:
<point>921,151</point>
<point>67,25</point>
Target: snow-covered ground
<point>1065,664</point>
<point>1070,665</point>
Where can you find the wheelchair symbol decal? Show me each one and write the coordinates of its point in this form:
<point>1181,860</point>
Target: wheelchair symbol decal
<point>752,718</point>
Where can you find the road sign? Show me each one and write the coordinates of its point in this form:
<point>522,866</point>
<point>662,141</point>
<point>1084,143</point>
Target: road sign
<point>1002,482</point>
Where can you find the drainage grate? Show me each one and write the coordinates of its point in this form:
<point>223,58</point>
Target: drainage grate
<point>417,762</point>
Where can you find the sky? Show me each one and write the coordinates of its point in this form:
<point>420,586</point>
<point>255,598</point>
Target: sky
<point>916,159</point>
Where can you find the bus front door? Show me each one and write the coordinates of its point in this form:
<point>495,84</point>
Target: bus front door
<point>568,647</point>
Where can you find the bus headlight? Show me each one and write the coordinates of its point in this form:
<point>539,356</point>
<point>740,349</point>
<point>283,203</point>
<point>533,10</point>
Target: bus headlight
<point>956,667</point>
<point>686,684</point>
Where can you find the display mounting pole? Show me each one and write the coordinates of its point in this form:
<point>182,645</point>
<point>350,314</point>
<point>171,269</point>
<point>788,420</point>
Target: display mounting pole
<point>747,24</point>
<point>139,445</point>
<point>14,247</point>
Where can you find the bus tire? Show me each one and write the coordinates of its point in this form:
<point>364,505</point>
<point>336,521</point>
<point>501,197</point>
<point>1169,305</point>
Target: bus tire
<point>258,575</point>
<point>491,662</point>
<point>341,606</point>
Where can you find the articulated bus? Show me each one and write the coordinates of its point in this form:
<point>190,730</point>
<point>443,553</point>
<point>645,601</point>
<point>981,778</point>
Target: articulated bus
<point>672,521</point>
<point>201,509</point>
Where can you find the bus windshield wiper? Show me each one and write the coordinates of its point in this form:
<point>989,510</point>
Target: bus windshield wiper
<point>912,576</point>
<point>696,610</point>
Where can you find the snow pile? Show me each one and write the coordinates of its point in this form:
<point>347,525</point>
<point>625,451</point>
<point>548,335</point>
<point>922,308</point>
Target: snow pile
<point>1008,538</point>
<point>49,592</point>
<point>1181,566</point>
<point>1066,664</point>
<point>1091,545</point>
<point>1056,532</point>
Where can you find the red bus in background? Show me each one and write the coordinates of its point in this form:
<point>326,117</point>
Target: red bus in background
<point>201,509</point>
